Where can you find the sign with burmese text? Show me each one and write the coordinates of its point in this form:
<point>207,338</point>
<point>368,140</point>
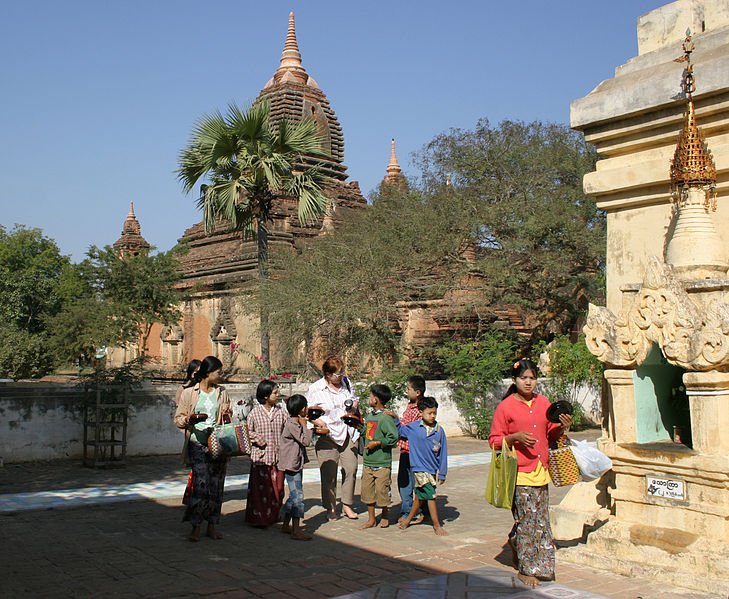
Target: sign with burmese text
<point>666,488</point>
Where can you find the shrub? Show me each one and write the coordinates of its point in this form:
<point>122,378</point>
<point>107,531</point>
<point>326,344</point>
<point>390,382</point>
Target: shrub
<point>475,368</point>
<point>573,369</point>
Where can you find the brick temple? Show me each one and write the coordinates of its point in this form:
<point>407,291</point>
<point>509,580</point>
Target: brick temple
<point>220,268</point>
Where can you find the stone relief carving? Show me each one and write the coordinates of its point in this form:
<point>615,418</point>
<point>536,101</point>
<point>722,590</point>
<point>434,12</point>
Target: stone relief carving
<point>223,330</point>
<point>690,336</point>
<point>172,334</point>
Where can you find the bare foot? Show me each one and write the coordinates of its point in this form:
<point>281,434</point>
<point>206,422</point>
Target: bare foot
<point>440,531</point>
<point>418,519</point>
<point>350,513</point>
<point>194,535</point>
<point>286,529</point>
<point>214,534</point>
<point>301,536</point>
<point>531,581</point>
<point>384,523</point>
<point>331,516</point>
<point>403,525</point>
<point>368,524</point>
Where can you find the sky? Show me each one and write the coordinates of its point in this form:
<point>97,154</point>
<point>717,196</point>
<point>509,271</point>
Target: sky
<point>98,98</point>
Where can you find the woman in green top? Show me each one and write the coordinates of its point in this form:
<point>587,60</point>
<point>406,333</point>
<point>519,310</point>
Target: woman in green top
<point>201,407</point>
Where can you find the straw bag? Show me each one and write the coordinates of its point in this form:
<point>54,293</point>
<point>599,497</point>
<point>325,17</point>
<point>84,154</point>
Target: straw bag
<point>562,464</point>
<point>229,439</point>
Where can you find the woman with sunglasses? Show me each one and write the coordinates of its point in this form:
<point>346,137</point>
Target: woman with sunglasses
<point>336,447</point>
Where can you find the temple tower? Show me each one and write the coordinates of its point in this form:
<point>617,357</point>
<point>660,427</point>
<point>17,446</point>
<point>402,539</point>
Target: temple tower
<point>221,265</point>
<point>131,241</point>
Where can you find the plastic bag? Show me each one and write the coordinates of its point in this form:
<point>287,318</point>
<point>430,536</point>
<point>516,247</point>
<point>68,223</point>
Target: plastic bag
<point>592,462</point>
<point>501,482</point>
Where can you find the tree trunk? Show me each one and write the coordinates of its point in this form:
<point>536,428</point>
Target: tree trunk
<point>263,276</point>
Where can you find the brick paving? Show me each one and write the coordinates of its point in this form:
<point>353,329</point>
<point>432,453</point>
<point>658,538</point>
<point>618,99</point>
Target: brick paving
<point>137,547</point>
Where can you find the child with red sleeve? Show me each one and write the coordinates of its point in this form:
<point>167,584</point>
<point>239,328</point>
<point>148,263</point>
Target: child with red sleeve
<point>405,476</point>
<point>521,420</point>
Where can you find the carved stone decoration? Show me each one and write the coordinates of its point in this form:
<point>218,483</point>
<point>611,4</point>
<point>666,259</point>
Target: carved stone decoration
<point>690,336</point>
<point>172,334</point>
<point>223,330</point>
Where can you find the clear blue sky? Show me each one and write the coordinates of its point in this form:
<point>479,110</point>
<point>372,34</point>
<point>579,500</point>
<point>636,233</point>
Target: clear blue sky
<point>99,97</point>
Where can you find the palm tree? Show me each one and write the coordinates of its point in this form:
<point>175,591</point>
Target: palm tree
<point>247,164</point>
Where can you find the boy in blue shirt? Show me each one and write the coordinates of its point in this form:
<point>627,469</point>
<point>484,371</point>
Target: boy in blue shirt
<point>428,460</point>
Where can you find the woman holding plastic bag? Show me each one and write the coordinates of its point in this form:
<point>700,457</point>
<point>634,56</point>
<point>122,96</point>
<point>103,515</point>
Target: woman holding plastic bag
<point>520,422</point>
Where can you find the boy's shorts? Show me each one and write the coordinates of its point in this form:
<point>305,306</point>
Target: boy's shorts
<point>375,486</point>
<point>426,492</point>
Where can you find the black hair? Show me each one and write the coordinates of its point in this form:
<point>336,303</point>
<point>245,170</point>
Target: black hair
<point>192,368</point>
<point>427,402</point>
<point>264,390</point>
<point>381,392</point>
<point>417,382</point>
<point>517,369</point>
<point>295,403</point>
<point>208,365</point>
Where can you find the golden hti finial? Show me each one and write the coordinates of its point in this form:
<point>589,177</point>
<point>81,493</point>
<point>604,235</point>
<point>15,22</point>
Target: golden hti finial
<point>692,164</point>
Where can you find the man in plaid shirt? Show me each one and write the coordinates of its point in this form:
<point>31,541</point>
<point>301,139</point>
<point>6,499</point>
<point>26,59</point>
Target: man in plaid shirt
<point>405,477</point>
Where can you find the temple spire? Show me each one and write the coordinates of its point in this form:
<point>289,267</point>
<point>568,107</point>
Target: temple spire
<point>393,167</point>
<point>291,68</point>
<point>131,241</point>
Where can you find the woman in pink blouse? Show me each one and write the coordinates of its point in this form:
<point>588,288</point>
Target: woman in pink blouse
<point>266,481</point>
<point>521,420</point>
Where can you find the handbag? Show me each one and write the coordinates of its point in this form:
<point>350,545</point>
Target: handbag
<point>501,482</point>
<point>563,468</point>
<point>228,440</point>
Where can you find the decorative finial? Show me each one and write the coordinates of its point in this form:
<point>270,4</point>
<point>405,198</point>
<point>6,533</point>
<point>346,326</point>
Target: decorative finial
<point>291,66</point>
<point>692,165</point>
<point>393,167</point>
<point>131,211</point>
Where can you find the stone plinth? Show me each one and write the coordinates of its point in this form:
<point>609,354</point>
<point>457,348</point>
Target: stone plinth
<point>664,333</point>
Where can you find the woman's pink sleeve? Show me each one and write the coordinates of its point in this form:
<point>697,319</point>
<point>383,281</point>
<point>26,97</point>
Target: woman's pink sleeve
<point>499,428</point>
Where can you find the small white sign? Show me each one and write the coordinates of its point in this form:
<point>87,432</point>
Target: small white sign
<point>666,488</point>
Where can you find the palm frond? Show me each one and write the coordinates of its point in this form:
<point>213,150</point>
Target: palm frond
<point>300,138</point>
<point>312,201</point>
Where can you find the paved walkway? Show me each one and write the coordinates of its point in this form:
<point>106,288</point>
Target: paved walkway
<point>73,531</point>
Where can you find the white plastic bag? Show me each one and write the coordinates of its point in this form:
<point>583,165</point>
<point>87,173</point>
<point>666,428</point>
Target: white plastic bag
<point>592,462</point>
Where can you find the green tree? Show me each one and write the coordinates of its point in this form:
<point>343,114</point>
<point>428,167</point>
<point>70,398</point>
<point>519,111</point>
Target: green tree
<point>574,373</point>
<point>513,227</point>
<point>247,164</point>
<point>114,301</point>
<point>346,286</point>
<point>475,368</point>
<point>541,240</point>
<point>32,271</point>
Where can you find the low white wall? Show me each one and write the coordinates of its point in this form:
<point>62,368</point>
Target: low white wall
<point>44,421</point>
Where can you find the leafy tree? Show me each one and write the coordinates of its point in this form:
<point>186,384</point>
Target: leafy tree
<point>345,287</point>
<point>247,164</point>
<point>574,373</point>
<point>32,271</point>
<point>541,239</point>
<point>513,228</point>
<point>475,368</point>
<point>31,267</point>
<point>115,301</point>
